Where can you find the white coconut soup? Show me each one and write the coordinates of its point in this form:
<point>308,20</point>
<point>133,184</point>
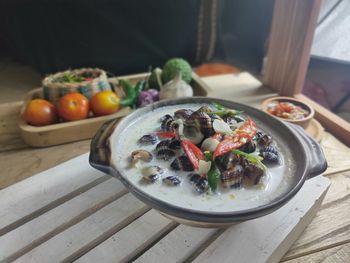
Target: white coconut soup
<point>273,184</point>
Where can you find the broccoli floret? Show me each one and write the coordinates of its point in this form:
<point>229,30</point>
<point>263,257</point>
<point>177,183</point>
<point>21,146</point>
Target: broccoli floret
<point>175,65</point>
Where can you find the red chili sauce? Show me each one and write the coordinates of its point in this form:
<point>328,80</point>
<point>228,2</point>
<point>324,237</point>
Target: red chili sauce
<point>287,110</point>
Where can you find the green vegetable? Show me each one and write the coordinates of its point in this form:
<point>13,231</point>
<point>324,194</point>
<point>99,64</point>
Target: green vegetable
<point>251,158</point>
<point>218,106</point>
<point>140,85</point>
<point>214,173</point>
<point>222,111</point>
<point>226,113</point>
<point>208,155</point>
<point>68,77</point>
<point>155,79</point>
<point>175,65</point>
<point>131,97</point>
<point>213,177</point>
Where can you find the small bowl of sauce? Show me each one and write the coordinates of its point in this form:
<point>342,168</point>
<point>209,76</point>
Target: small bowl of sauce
<point>289,109</point>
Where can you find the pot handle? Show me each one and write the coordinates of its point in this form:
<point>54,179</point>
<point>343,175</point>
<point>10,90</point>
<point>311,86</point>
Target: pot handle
<point>100,151</point>
<point>317,162</point>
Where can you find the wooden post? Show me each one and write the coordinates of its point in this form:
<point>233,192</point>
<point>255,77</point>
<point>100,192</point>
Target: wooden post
<point>292,30</point>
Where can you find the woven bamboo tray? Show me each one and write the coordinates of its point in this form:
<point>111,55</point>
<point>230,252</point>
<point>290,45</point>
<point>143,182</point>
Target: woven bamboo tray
<point>64,132</point>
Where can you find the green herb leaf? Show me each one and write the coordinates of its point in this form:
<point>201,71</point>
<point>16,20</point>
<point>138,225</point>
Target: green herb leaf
<point>208,155</point>
<point>226,113</point>
<point>218,106</point>
<point>213,177</point>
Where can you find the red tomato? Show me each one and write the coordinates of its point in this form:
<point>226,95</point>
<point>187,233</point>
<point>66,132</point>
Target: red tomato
<point>104,103</point>
<point>39,112</point>
<point>73,106</point>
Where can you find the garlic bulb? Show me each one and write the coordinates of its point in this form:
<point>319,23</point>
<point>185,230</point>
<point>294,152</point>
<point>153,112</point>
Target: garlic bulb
<point>221,127</point>
<point>175,88</point>
<point>209,144</point>
<point>204,167</point>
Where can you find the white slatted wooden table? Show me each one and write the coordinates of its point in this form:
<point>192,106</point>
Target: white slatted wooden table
<point>73,212</point>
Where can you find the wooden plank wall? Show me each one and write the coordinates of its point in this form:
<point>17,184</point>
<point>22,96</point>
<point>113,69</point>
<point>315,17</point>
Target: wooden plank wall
<point>291,36</point>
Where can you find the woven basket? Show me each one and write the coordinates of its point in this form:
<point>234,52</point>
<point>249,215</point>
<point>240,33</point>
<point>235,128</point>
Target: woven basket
<point>52,91</point>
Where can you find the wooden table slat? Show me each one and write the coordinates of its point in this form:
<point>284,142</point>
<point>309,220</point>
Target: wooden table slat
<point>9,129</point>
<point>88,233</point>
<point>267,238</point>
<point>43,227</point>
<point>339,189</point>
<point>178,245</point>
<point>333,214</point>
<point>20,164</point>
<point>10,108</point>
<point>131,240</point>
<point>30,197</point>
<point>337,154</point>
<point>338,254</point>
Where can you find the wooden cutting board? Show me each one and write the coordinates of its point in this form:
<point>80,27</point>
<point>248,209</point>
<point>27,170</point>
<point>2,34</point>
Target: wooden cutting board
<point>64,132</point>
<point>73,212</point>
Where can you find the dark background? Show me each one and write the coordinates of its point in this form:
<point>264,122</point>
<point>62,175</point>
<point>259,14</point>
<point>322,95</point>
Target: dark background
<point>127,36</point>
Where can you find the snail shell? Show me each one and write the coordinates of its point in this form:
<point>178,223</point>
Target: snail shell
<point>152,173</point>
<point>166,116</point>
<point>182,163</point>
<point>252,174</point>
<point>167,123</point>
<point>163,151</point>
<point>183,114</point>
<point>270,148</point>
<point>148,139</point>
<point>141,155</point>
<point>214,117</point>
<point>230,120</point>
<point>270,155</point>
<point>248,147</point>
<point>175,144</point>
<point>172,180</point>
<point>230,160</point>
<point>202,121</point>
<point>200,183</point>
<point>233,176</point>
<point>205,108</point>
<point>193,134</point>
<point>263,140</point>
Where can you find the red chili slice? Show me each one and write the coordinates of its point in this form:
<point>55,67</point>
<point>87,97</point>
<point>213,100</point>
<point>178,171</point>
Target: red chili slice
<point>193,153</point>
<point>166,134</point>
<point>217,136</point>
<point>241,136</point>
